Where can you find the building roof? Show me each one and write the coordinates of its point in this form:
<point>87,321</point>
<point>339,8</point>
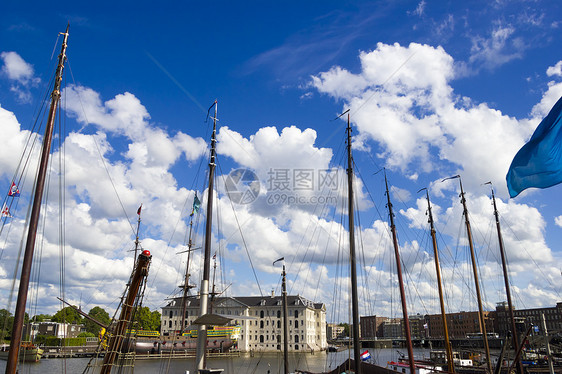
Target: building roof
<point>251,301</point>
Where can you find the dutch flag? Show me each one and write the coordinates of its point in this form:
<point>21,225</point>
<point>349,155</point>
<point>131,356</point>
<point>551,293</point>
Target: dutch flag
<point>365,356</point>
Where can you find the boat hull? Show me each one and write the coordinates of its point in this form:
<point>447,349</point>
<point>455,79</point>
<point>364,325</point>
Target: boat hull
<point>26,354</point>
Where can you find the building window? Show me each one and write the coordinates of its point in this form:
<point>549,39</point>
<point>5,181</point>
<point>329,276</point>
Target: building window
<point>296,314</point>
<point>278,324</point>
<point>296,338</point>
<point>296,324</point>
<point>261,314</point>
<point>261,324</point>
<point>261,338</point>
<point>278,314</point>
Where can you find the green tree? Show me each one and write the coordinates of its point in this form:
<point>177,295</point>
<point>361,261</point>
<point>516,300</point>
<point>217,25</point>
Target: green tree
<point>41,318</point>
<point>156,319</point>
<point>147,320</point>
<point>100,315</point>
<point>86,334</point>
<point>67,315</point>
<point>6,323</point>
<point>345,329</point>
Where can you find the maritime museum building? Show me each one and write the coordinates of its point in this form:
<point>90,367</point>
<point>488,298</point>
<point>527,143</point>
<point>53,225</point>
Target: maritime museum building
<point>260,319</point>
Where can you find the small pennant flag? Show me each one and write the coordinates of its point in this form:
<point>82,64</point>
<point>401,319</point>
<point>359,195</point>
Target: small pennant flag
<point>215,256</point>
<point>365,356</point>
<point>196,205</point>
<point>14,191</point>
<point>6,211</point>
<point>139,210</point>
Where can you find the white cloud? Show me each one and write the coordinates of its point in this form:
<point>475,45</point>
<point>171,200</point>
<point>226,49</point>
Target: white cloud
<point>21,73</point>
<point>420,126</point>
<point>496,50</point>
<point>555,70</point>
<point>558,221</point>
<point>420,8</point>
<point>16,68</point>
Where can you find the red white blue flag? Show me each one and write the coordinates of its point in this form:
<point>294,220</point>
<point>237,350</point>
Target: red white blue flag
<point>6,211</point>
<point>365,356</point>
<point>14,191</point>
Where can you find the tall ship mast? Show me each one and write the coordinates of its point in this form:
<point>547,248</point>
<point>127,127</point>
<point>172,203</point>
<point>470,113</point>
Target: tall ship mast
<point>514,338</point>
<point>475,274</point>
<point>200,359</point>
<point>400,282</point>
<point>448,348</point>
<point>15,342</point>
<point>352,257</point>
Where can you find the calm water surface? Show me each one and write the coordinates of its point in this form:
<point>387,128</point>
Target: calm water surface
<point>273,362</point>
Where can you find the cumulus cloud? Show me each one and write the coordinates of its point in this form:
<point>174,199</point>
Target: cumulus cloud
<point>20,73</point>
<point>555,70</point>
<point>421,128</point>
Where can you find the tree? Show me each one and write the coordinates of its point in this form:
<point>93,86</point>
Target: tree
<point>147,320</point>
<point>345,329</point>
<point>67,315</point>
<point>6,323</point>
<point>100,315</point>
<point>41,318</point>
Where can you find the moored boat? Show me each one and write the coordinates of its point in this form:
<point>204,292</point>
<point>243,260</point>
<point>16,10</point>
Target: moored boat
<point>28,352</point>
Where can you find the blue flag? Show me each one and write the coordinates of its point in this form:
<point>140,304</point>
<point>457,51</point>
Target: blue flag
<point>539,162</point>
<point>196,205</point>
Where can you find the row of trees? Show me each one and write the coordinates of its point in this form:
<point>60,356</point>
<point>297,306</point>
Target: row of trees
<point>144,318</point>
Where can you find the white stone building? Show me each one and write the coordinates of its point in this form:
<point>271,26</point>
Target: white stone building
<point>262,323</point>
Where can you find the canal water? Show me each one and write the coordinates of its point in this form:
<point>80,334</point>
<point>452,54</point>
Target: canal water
<point>260,363</point>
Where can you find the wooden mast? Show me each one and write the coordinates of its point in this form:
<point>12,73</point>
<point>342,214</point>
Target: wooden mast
<point>449,350</point>
<point>475,274</point>
<point>352,258</point>
<point>186,287</point>
<point>515,339</point>
<point>204,290</point>
<point>19,315</point>
<point>116,340</point>
<point>400,282</point>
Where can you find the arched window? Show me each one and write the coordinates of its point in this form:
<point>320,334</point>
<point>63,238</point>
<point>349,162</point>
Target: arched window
<point>296,314</point>
<point>296,324</point>
<point>261,338</point>
<point>296,338</point>
<point>171,314</point>
<point>278,338</point>
<point>278,314</point>
<point>261,314</point>
<point>261,324</point>
<point>278,324</point>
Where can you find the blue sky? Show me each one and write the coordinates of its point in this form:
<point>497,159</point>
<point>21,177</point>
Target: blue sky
<point>434,90</point>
